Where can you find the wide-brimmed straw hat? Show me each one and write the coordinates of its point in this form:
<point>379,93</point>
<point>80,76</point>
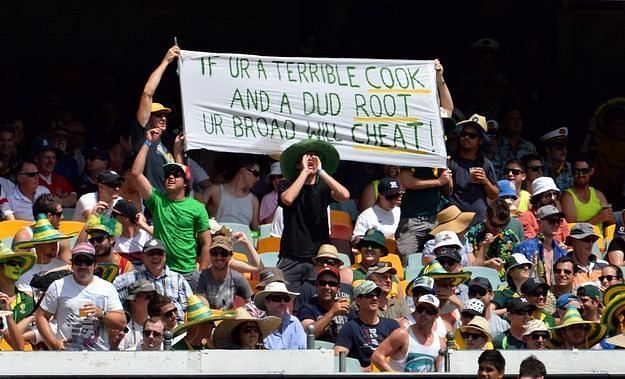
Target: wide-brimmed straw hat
<point>452,219</point>
<point>292,155</point>
<point>272,288</point>
<point>198,313</point>
<point>435,271</point>
<point>43,232</point>
<point>479,324</point>
<point>222,337</point>
<point>27,259</point>
<point>571,317</point>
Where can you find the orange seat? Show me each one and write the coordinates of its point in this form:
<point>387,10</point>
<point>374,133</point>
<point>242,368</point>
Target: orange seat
<point>391,245</point>
<point>395,261</point>
<point>340,217</point>
<point>269,244</point>
<point>71,227</point>
<point>243,258</point>
<point>341,232</point>
<point>9,228</point>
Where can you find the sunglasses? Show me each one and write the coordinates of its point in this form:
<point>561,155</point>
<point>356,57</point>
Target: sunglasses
<point>279,298</point>
<point>477,292</point>
<point>152,253</point>
<point>551,195</point>
<point>370,295</point>
<point>14,263</point>
<point>428,310</point>
<point>609,278</point>
<point>171,313</point>
<point>464,134</point>
<point>115,185</point>
<point>254,172</point>
<point>523,267</point>
<point>220,253</point>
<point>56,213</point>
<point>328,262</point>
<point>514,171</point>
<point>581,171</point>
<point>537,336</point>
<point>497,225</point>
<point>471,336</point>
<point>159,114</point>
<point>538,294</point>
<point>446,261</point>
<point>250,329</point>
<point>508,197</point>
<point>152,333</point>
<point>535,168</point>
<point>82,262</point>
<point>521,313</point>
<point>562,271</point>
<point>392,197</point>
<point>98,239</point>
<point>175,173</point>
<point>553,221</point>
<point>29,174</point>
<point>331,283</point>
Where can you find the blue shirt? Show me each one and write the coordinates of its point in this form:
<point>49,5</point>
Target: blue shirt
<point>290,336</point>
<point>528,247</point>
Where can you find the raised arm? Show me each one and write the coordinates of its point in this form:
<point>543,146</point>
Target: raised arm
<point>443,91</point>
<point>142,183</point>
<point>145,104</point>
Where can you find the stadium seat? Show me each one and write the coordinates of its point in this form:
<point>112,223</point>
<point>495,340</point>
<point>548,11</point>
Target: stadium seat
<point>240,228</point>
<point>350,206</point>
<point>396,263</point>
<point>341,232</point>
<point>415,259</point>
<point>269,259</point>
<point>391,245</point>
<point>608,235</point>
<point>340,217</point>
<point>324,345</point>
<point>268,244</point>
<point>412,272</point>
<point>10,227</point>
<point>265,231</point>
<point>71,227</point>
<point>345,258</point>
<point>68,213</point>
<point>351,365</point>
<point>486,272</point>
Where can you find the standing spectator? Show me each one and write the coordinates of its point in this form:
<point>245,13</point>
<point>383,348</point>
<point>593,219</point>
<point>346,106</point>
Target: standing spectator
<point>304,197</point>
<point>519,314</point>
<point>415,349</point>
<point>543,251</point>
<point>584,203</point>
<point>491,365</point>
<point>103,199</point>
<point>153,116</point>
<point>83,305</point>
<point>383,215</point>
<point>544,192</point>
<point>101,231</point>
<point>534,169</point>
<point>45,154</point>
<point>275,299</point>
<point>362,335</point>
<point>587,266</point>
<point>473,174</point>
<point>22,197</point>
<point>234,201</point>
<point>219,284</point>
<point>556,165</point>
<point>536,335</point>
<point>269,203</point>
<point>180,221</point>
<point>9,160</point>
<point>514,172</point>
<point>97,161</point>
<point>153,329</point>
<point>510,144</point>
<point>154,269</point>
<point>576,333</point>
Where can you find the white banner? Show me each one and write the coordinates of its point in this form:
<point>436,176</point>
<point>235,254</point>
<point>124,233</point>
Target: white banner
<point>379,111</point>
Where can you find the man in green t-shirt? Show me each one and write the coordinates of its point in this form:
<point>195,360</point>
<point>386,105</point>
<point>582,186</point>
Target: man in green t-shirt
<point>180,221</point>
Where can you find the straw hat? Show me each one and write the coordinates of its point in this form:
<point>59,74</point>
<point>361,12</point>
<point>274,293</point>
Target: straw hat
<point>613,291</point>
<point>612,310</point>
<point>43,232</point>
<point>198,313</point>
<point>572,317</point>
<point>479,324</point>
<point>328,156</point>
<point>272,288</point>
<point>28,258</point>
<point>222,337</point>
<point>452,219</point>
<point>435,271</point>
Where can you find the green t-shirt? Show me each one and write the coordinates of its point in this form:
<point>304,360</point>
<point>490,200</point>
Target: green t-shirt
<point>506,341</point>
<point>503,296</point>
<point>177,224</point>
<point>23,307</point>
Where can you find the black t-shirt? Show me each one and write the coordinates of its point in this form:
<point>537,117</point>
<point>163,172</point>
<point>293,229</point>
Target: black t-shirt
<point>617,243</point>
<point>362,339</point>
<point>313,311</point>
<point>155,160</point>
<point>308,291</point>
<point>305,221</point>
<point>468,196</point>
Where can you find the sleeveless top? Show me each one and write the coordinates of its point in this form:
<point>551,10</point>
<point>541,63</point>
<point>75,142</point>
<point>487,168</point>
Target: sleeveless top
<point>234,209</point>
<point>418,358</point>
<point>586,211</point>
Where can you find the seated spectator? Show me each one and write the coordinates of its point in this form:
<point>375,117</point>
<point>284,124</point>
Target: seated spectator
<point>154,269</point>
<point>536,293</point>
<point>537,335</point>
<point>269,203</point>
<point>492,241</point>
<point>517,272</point>
<point>153,329</point>
<point>234,201</point>
<point>371,247</point>
<point>576,333</point>
<point>11,336</point>
<point>519,312</point>
<point>135,231</point>
<point>402,351</point>
<point>244,332</point>
<point>219,284</point>
<point>371,192</point>
<point>534,169</point>
<point>97,161</point>
<point>583,202</point>
<point>12,265</point>
<point>565,302</point>
<point>362,335</point>
<point>388,306</point>
<point>616,249</point>
<point>513,172</point>
<point>610,275</point>
<point>556,166</point>
<point>475,335</point>
<point>139,295</point>
<point>383,215</point>
<point>103,199</point>
<point>327,312</point>
<point>45,156</point>
<point>544,250</point>
<point>613,316</point>
<point>481,289</point>
<point>453,220</point>
<point>562,279</point>
<point>9,160</point>
<point>275,299</point>
<point>163,306</point>
<point>587,266</point>
<point>128,191</point>
<point>22,197</point>
<point>198,326</point>
<point>590,300</point>
<point>66,164</point>
<point>101,231</point>
<point>544,192</point>
<point>5,208</point>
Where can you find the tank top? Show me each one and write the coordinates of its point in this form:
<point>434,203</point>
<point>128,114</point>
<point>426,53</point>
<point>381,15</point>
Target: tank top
<point>586,211</point>
<point>418,358</point>
<point>235,209</point>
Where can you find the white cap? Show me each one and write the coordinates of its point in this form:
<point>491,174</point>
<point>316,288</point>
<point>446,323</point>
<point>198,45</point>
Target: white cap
<point>447,238</point>
<point>543,184</point>
<point>429,299</point>
<point>560,133</point>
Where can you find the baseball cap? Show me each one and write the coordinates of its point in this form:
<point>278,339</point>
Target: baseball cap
<point>223,242</point>
<point>43,144</point>
<point>365,287</point>
<point>380,269</point>
<point>532,285</point>
<point>388,186</point>
<point>95,152</point>
<point>564,299</point>
<point>481,282</point>
<point>582,230</point>
<point>429,299</point>
<point>331,270</point>
<point>475,307</point>
<point>153,244</point>
<point>109,177</point>
<point>83,248</point>
<point>126,209</point>
<point>141,285</point>
<point>170,167</point>
<point>590,291</point>
<point>519,304</point>
<point>548,210</point>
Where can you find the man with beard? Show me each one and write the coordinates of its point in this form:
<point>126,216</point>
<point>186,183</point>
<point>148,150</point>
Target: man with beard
<point>83,305</point>
<point>519,314</point>
<point>362,335</point>
<point>101,231</point>
<point>415,349</point>
<point>544,192</point>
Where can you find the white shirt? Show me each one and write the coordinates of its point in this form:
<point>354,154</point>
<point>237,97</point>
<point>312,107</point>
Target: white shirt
<point>23,283</point>
<point>88,201</point>
<point>21,205</point>
<point>379,218</point>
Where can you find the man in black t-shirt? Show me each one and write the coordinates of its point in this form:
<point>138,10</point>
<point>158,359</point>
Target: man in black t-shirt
<point>307,165</point>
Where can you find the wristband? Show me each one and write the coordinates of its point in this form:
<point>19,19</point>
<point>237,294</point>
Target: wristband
<point>102,316</point>
<point>147,143</point>
<point>319,171</point>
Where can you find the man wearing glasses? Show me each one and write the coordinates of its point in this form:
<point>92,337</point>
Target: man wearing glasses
<point>536,335</point>
<point>383,215</point>
<point>103,199</point>
<point>519,314</point>
<point>544,192</point>
<point>275,299</point>
<point>587,267</point>
<point>101,232</point>
<point>153,329</point>
<point>480,288</point>
<point>22,197</point>
<point>556,166</point>
<point>84,306</point>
